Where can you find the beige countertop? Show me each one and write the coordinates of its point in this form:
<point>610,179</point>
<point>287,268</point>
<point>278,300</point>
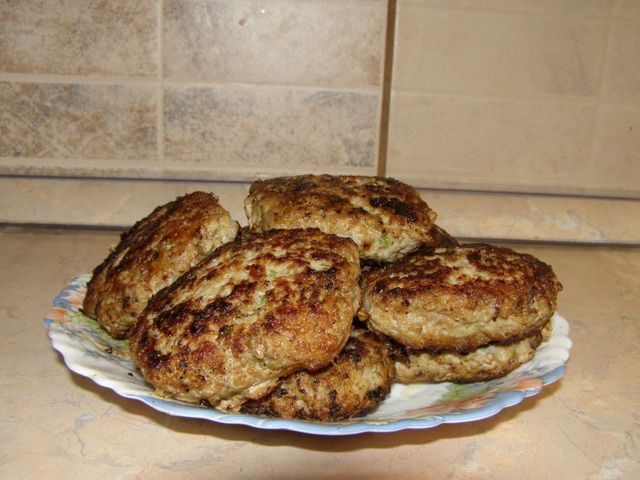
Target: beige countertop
<point>56,424</point>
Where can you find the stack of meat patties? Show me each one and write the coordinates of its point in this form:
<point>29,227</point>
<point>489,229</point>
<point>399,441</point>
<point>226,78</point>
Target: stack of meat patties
<point>338,287</point>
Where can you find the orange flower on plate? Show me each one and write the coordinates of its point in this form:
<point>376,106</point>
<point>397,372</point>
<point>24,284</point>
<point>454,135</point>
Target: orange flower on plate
<point>59,315</point>
<point>75,298</point>
<point>528,384</point>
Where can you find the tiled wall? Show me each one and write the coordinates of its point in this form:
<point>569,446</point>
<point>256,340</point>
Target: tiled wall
<point>484,96</point>
<point>518,95</point>
<point>190,88</point>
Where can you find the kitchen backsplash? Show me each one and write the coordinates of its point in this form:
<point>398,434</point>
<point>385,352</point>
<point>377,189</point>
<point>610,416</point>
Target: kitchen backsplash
<point>518,95</point>
<point>190,89</point>
<point>465,99</point>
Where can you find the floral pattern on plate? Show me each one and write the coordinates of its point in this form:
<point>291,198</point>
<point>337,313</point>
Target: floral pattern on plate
<point>90,351</point>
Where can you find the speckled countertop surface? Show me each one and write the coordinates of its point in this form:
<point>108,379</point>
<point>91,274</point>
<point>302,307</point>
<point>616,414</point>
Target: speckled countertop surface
<point>56,424</point>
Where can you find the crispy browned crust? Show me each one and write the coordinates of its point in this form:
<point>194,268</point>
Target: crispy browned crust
<point>353,385</point>
<point>386,218</point>
<point>152,254</point>
<point>461,298</point>
<point>438,237</point>
<point>485,363</point>
<point>255,310</point>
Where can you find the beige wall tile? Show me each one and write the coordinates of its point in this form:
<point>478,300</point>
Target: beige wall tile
<point>60,122</point>
<point>617,152</point>
<point>627,8</point>
<point>486,52</point>
<point>103,202</point>
<point>494,143</point>
<point>499,216</point>
<point>279,42</point>
<point>238,128</point>
<point>622,71</point>
<point>79,37</point>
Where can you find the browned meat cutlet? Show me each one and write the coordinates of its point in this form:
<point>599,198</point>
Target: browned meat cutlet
<point>152,254</point>
<point>439,238</point>
<point>485,363</point>
<point>257,309</point>
<point>459,299</point>
<point>353,385</point>
<point>386,218</point>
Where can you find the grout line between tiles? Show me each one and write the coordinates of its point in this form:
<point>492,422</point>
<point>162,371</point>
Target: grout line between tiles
<point>161,89</point>
<point>289,86</point>
<point>571,15</point>
<point>160,81</point>
<point>418,90</point>
<point>387,80</point>
<point>591,161</point>
<point>77,79</point>
<point>584,100</point>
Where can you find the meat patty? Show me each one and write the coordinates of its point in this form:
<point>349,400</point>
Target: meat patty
<point>255,310</point>
<point>353,385</point>
<point>152,254</point>
<point>461,298</point>
<point>386,218</point>
<point>489,362</point>
<point>440,238</point>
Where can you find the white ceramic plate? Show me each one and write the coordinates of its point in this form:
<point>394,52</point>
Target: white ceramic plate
<point>89,351</point>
